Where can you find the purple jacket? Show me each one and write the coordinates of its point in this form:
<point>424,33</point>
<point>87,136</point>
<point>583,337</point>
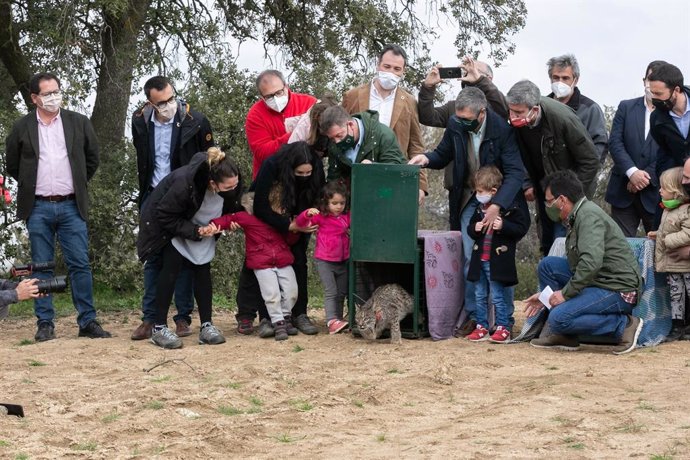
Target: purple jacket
<point>332,238</point>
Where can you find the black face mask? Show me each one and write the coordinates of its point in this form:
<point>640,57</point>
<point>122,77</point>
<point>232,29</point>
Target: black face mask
<point>301,180</point>
<point>663,104</point>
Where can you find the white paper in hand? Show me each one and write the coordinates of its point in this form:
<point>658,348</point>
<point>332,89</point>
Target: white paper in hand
<point>545,295</point>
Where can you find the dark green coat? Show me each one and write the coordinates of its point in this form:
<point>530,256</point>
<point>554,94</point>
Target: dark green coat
<point>22,158</point>
<point>379,146</point>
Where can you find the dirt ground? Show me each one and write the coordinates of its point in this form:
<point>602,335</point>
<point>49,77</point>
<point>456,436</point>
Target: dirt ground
<point>335,396</point>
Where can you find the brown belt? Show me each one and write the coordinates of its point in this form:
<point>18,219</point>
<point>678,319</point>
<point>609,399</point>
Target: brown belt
<point>55,198</point>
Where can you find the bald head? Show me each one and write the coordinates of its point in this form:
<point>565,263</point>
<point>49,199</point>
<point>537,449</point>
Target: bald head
<point>485,69</point>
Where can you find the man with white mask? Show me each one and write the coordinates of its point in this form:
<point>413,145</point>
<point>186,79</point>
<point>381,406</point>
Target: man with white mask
<point>271,120</point>
<point>166,133</point>
<point>564,73</point>
<point>396,107</point>
<point>52,153</point>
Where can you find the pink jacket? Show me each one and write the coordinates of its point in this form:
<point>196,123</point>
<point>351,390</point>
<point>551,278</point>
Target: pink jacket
<point>332,238</point>
<point>265,247</point>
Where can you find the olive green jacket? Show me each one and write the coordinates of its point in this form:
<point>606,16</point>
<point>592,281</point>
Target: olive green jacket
<point>598,253</point>
<point>379,146</point>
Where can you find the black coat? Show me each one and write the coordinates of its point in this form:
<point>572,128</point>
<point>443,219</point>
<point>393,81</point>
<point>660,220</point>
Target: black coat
<point>673,148</point>
<point>168,211</point>
<point>516,222</point>
<point>191,134</point>
<point>22,158</point>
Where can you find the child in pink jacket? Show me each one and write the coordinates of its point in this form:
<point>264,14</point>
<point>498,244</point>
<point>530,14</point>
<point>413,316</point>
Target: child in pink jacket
<point>332,249</point>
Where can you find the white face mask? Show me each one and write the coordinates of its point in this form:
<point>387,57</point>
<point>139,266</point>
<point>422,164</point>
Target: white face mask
<point>483,199</point>
<point>560,89</point>
<point>387,80</point>
<point>52,102</point>
<point>168,112</point>
<point>277,103</point>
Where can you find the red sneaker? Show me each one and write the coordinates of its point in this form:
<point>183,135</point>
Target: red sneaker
<point>336,325</point>
<point>479,334</point>
<point>501,335</point>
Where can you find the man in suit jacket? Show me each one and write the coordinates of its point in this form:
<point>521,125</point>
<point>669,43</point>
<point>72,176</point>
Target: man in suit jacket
<point>52,153</point>
<point>633,190</point>
<point>396,107</point>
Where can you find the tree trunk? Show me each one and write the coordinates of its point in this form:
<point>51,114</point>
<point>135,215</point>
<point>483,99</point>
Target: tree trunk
<point>14,61</point>
<point>119,54</point>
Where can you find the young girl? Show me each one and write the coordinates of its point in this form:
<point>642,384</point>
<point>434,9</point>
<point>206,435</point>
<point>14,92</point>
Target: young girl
<point>332,249</point>
<point>674,232</point>
<point>268,255</point>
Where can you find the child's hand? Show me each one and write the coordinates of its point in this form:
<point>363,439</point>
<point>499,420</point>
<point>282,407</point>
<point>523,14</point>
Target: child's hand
<point>478,226</point>
<point>651,235</point>
<point>498,223</point>
<point>312,212</point>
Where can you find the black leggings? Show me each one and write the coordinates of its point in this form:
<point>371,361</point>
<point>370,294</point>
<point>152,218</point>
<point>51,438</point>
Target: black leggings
<point>172,262</point>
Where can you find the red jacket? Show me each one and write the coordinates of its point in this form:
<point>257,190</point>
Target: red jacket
<point>265,127</point>
<point>265,247</point>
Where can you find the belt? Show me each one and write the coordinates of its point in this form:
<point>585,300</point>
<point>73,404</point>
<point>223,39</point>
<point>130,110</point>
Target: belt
<point>55,198</point>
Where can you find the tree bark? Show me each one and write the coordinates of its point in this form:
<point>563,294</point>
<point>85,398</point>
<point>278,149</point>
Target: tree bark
<point>119,41</point>
<point>15,63</point>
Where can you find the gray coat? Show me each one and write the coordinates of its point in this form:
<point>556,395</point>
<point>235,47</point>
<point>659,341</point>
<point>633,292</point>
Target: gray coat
<point>22,158</point>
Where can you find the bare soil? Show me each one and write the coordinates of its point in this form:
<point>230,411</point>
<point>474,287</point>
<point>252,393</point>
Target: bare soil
<point>335,396</point>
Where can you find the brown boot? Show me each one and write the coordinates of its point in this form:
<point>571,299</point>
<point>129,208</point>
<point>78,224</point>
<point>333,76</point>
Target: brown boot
<point>182,328</point>
<point>143,331</point>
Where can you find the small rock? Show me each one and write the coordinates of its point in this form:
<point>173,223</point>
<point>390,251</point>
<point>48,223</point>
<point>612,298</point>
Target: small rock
<point>187,413</point>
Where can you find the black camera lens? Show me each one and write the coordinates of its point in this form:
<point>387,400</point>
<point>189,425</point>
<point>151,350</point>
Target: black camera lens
<point>57,284</point>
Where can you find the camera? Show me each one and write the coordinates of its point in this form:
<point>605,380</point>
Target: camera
<point>45,286</point>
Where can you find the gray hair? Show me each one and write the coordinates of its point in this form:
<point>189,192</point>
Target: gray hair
<point>567,60</point>
<point>524,92</point>
<point>472,98</point>
<point>268,73</point>
<point>333,116</point>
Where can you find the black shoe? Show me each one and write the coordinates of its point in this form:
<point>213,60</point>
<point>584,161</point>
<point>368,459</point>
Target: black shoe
<point>304,324</point>
<point>280,330</point>
<point>94,330</point>
<point>291,329</point>
<point>46,331</point>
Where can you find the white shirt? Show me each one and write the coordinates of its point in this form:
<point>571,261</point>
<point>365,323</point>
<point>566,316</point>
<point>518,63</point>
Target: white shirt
<point>162,135</point>
<point>54,173</point>
<point>384,106</point>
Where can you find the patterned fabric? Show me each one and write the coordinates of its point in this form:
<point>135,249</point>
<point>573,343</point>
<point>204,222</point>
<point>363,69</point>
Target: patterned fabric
<point>444,282</point>
<point>679,284</point>
<point>629,297</point>
<point>654,306</point>
<point>486,245</point>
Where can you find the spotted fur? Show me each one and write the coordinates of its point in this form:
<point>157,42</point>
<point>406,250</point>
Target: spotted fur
<point>388,305</point>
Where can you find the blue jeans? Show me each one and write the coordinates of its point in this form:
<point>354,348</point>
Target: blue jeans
<point>501,295</point>
<point>184,290</point>
<point>48,220</point>
<point>467,244</point>
<point>595,311</point>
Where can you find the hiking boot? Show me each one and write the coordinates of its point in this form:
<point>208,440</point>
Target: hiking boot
<point>182,328</point>
<point>630,334</point>
<point>245,326</point>
<point>165,338</point>
<point>143,331</point>
<point>500,335</point>
<point>280,330</point>
<point>93,330</point>
<point>210,335</point>
<point>291,329</point>
<point>336,325</point>
<point>266,329</point>
<point>466,329</point>
<point>45,332</point>
<point>304,324</point>
<point>479,334</point>
<point>557,341</point>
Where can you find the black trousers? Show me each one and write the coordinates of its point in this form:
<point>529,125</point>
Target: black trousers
<point>172,262</point>
<point>249,300</point>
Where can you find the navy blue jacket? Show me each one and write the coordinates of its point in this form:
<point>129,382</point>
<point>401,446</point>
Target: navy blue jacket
<point>673,148</point>
<point>498,148</point>
<point>628,148</point>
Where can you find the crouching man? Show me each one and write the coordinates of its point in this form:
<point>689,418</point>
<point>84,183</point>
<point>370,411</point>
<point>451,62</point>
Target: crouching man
<point>597,285</point>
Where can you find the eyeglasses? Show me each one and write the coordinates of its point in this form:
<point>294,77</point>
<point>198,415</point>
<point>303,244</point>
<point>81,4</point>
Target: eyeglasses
<point>57,92</point>
<point>161,105</point>
<point>549,202</point>
<point>279,93</point>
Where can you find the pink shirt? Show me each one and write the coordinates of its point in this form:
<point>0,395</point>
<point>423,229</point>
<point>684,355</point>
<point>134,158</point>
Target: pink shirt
<point>54,175</point>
